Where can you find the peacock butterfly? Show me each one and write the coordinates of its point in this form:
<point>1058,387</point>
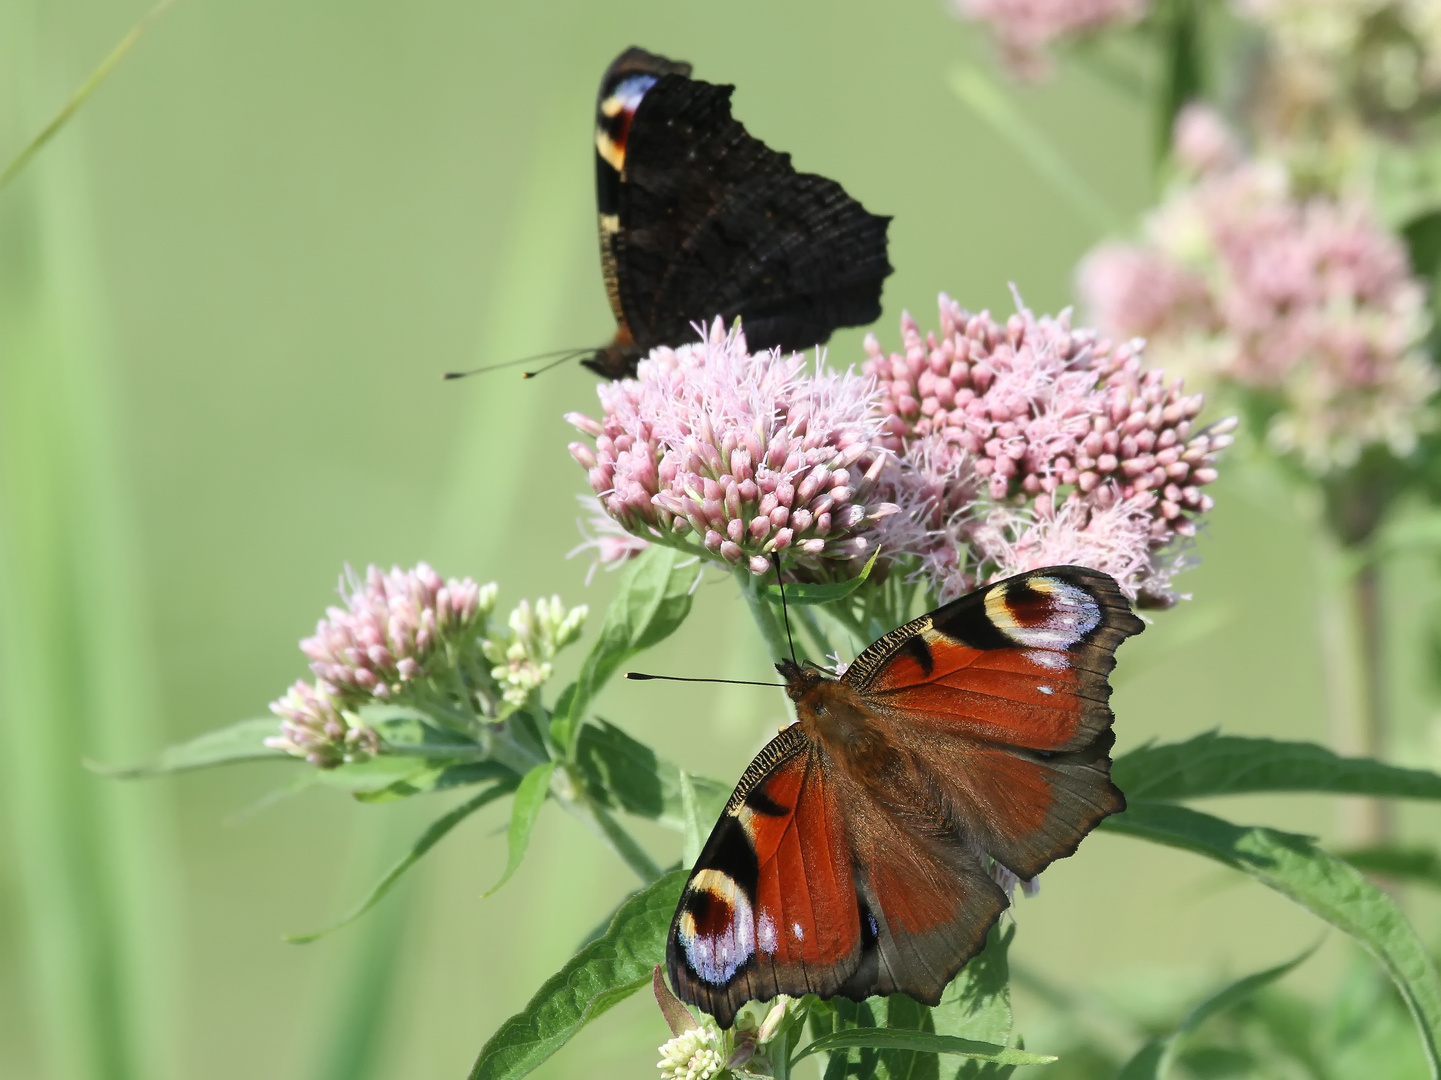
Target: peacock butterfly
<point>699,219</point>
<point>855,856</point>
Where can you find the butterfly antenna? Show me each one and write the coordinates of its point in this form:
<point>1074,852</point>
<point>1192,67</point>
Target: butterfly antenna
<point>556,363</point>
<point>640,676</point>
<point>564,354</point>
<point>785,612</point>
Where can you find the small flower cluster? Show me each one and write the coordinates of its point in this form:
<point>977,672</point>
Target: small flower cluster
<point>522,657</point>
<point>1028,442</point>
<point>1309,302</point>
<point>695,1054</point>
<point>409,636</point>
<point>736,455</point>
<point>315,725</point>
<point>1025,28</point>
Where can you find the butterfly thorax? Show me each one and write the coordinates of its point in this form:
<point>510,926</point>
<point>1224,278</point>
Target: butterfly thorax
<point>618,359</point>
<point>834,716</point>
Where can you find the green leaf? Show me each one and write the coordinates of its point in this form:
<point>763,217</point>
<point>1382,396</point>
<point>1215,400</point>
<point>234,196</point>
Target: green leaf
<point>431,778</point>
<point>1154,1060</point>
<point>602,974</point>
<point>428,840</point>
<point>621,773</point>
<point>1419,865</point>
<point>242,741</point>
<point>697,821</point>
<point>905,1013</point>
<point>1320,882</point>
<point>1213,764</point>
<point>977,1004</point>
<point>1423,243</point>
<point>889,1039</point>
<point>821,594</point>
<point>530,796</point>
<point>653,600</point>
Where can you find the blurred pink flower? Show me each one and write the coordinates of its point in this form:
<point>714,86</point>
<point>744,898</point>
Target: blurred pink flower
<point>1025,28</point>
<point>735,455</point>
<point>390,626</point>
<point>313,725</point>
<point>1202,141</point>
<point>1029,437</point>
<point>1308,301</point>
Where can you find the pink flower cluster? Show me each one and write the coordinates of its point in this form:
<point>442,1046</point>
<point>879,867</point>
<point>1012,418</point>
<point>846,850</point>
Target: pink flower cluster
<point>1307,301</point>
<point>1025,28</point>
<point>737,455</point>
<point>382,640</point>
<point>1029,442</point>
<point>390,626</point>
<point>314,725</point>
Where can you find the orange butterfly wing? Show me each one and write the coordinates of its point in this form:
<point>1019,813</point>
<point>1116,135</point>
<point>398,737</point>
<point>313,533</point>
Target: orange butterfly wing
<point>853,857</point>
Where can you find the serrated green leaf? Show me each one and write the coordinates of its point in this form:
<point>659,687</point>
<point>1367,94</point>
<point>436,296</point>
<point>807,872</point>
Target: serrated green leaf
<point>1214,764</point>
<point>601,975</point>
<point>823,593</point>
<point>652,601</point>
<point>241,741</point>
<point>530,796</point>
<point>888,1039</point>
<point>622,773</point>
<point>1154,1060</point>
<point>1320,882</point>
<point>428,839</point>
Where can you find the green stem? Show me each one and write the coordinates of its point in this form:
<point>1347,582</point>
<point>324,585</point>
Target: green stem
<point>752,588</point>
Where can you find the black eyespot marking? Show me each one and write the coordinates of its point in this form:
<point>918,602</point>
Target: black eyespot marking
<point>870,929</point>
<point>967,622</point>
<point>730,852</point>
<point>919,651</point>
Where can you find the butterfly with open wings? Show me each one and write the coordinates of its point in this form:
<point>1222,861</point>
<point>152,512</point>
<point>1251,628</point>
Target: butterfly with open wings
<point>700,219</point>
<point>853,858</point>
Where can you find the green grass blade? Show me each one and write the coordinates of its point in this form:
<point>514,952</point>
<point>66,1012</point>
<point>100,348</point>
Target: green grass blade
<point>428,839</point>
<point>97,879</point>
<point>988,101</point>
<point>601,975</point>
<point>1421,866</point>
<point>1213,764</point>
<point>1320,882</point>
<point>530,796</point>
<point>80,96</point>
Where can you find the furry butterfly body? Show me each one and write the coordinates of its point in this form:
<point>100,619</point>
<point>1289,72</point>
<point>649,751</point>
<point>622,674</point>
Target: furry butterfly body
<point>855,856</point>
<point>700,219</point>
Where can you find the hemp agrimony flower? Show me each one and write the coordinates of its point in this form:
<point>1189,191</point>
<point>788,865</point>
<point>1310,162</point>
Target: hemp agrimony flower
<point>522,655</point>
<point>1029,443</point>
<point>735,455</point>
<point>1305,303</point>
<point>1025,28</point>
<point>313,725</point>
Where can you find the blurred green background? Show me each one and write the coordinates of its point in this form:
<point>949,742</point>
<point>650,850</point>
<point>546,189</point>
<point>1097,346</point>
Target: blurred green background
<point>226,294</point>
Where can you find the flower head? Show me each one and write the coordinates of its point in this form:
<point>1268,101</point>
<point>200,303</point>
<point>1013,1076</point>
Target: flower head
<point>736,455</point>
<point>315,726</point>
<point>522,655</point>
<point>391,626</point>
<point>1308,304</point>
<point>695,1054</point>
<point>1025,28</point>
<point>1030,439</point>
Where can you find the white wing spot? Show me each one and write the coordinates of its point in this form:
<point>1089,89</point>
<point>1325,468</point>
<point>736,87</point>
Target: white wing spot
<point>766,933</point>
<point>1046,689</point>
<point>798,931</point>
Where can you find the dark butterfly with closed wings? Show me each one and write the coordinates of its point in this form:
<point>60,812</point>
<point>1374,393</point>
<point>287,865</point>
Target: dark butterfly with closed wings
<point>699,219</point>
<point>854,857</point>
